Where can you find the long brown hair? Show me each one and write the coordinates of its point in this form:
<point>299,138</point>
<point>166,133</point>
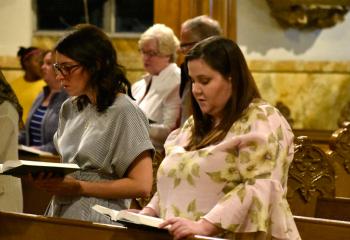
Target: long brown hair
<point>222,55</point>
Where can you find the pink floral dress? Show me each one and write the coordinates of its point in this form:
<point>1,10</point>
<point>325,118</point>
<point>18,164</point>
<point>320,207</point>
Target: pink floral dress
<point>239,184</point>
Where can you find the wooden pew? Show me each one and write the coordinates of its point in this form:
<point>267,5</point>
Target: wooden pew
<point>319,171</point>
<point>339,153</point>
<point>333,208</point>
<point>337,146</point>
<point>322,229</point>
<point>310,175</point>
<point>320,138</point>
<point>25,226</point>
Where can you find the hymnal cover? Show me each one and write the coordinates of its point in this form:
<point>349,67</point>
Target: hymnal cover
<point>19,168</point>
<point>124,216</point>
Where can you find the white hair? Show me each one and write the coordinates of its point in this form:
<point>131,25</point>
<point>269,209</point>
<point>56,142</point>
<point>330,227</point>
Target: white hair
<point>167,42</point>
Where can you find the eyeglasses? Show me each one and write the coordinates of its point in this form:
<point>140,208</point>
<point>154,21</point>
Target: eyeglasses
<point>187,45</point>
<point>150,53</point>
<point>64,69</point>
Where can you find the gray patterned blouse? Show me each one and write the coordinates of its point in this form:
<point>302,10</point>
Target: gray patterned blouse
<point>103,145</point>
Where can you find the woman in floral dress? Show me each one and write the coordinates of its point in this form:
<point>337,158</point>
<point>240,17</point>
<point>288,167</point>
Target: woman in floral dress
<point>225,171</point>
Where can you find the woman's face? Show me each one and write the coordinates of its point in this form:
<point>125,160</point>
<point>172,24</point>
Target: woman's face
<point>210,89</point>
<point>153,61</point>
<point>73,77</point>
<point>48,72</point>
<point>33,67</point>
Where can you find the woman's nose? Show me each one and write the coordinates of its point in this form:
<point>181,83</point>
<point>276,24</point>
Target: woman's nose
<point>196,88</point>
<point>59,77</point>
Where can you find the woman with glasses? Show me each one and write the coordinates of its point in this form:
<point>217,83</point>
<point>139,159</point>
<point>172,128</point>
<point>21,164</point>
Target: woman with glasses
<point>100,128</point>
<point>157,92</point>
<point>225,171</point>
<point>42,120</point>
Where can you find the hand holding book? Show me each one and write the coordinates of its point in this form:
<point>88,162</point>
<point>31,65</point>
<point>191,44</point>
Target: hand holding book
<point>177,226</point>
<point>127,216</point>
<point>66,187</point>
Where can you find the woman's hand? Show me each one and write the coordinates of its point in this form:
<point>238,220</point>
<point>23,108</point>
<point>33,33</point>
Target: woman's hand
<point>148,211</point>
<point>67,186</point>
<point>181,227</point>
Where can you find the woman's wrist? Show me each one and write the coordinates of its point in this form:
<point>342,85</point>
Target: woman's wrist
<point>148,211</point>
<point>81,191</point>
<point>209,229</point>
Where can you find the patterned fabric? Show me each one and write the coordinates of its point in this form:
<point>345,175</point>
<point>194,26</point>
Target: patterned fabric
<point>35,126</point>
<point>7,94</point>
<point>103,145</point>
<point>239,184</point>
<point>50,120</point>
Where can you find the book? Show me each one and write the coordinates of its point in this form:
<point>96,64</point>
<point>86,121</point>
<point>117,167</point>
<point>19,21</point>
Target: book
<point>19,168</point>
<point>125,216</point>
<point>25,150</point>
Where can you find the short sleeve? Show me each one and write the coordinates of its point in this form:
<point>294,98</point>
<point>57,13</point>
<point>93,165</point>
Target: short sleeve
<point>131,136</point>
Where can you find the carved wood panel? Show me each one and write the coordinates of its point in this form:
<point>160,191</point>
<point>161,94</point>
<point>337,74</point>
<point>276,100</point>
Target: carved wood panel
<point>310,171</point>
<point>310,175</point>
<point>340,146</point>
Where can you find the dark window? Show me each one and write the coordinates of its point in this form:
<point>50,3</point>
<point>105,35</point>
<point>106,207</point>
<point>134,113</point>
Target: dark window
<point>62,14</point>
<point>128,15</point>
<point>133,15</point>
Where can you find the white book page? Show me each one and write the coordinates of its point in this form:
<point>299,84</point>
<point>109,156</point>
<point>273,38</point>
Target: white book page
<point>1,168</point>
<point>107,211</point>
<point>139,218</point>
<point>16,163</point>
<point>129,216</point>
<point>33,150</point>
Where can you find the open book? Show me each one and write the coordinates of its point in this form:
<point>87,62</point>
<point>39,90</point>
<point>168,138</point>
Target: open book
<point>25,150</point>
<point>19,168</point>
<point>126,216</point>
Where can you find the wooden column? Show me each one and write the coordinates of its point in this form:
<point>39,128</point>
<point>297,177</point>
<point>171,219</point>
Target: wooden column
<point>175,13</point>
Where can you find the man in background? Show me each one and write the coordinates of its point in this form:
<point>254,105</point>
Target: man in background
<point>192,31</point>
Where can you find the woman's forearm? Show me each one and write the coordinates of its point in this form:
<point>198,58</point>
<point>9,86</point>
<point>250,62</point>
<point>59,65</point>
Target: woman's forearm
<point>136,183</point>
<point>121,188</point>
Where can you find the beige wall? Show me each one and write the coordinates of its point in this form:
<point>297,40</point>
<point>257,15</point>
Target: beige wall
<point>15,25</point>
<point>261,37</point>
<point>306,70</point>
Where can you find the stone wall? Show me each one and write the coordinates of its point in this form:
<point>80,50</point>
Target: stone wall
<point>314,91</point>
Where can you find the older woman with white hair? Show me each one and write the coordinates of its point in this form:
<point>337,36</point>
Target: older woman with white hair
<point>157,92</point>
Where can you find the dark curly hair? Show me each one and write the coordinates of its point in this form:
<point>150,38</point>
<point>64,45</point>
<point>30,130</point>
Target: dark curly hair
<point>25,53</point>
<point>94,51</point>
